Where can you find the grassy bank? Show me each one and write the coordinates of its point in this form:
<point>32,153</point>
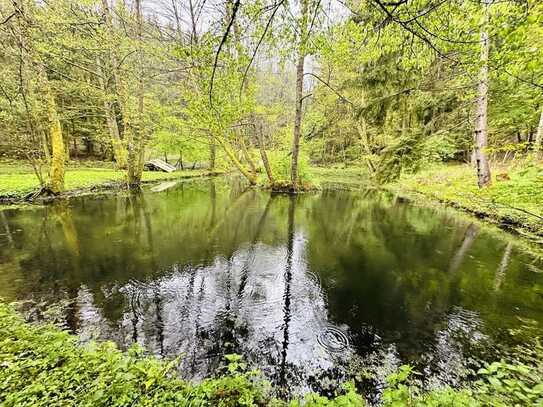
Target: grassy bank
<point>514,200</point>
<point>17,180</point>
<point>44,366</point>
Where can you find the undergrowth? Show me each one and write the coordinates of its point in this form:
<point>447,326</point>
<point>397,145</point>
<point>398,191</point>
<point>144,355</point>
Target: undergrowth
<point>42,365</point>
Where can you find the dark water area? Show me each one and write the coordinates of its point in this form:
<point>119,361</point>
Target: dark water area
<point>312,290</point>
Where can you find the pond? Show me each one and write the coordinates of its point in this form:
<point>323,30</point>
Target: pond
<point>310,289</point>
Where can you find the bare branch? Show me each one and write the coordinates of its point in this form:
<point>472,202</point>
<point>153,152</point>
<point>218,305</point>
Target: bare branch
<point>266,28</point>
<point>223,41</point>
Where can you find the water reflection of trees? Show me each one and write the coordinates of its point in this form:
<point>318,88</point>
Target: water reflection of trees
<point>259,302</point>
<point>209,269</point>
<point>394,280</point>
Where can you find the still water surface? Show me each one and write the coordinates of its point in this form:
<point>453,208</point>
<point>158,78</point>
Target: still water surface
<point>309,289</point>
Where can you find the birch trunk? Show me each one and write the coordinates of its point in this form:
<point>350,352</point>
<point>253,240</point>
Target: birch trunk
<point>481,125</point>
<point>299,96</point>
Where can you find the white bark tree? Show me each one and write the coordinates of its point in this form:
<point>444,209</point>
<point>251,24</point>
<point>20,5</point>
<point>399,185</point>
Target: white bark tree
<point>481,119</point>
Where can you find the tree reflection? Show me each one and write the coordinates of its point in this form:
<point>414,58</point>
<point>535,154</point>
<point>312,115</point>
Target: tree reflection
<point>297,285</point>
<point>469,238</point>
<point>287,294</point>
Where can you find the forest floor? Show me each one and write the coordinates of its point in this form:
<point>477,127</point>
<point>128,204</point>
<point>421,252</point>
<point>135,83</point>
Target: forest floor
<point>17,180</point>
<point>513,201</point>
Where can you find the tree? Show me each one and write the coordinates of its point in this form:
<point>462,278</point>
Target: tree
<point>26,43</point>
<point>481,124</point>
<point>136,138</point>
<point>119,149</point>
<point>302,50</point>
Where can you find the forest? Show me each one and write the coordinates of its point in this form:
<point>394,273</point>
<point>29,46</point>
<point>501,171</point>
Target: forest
<point>208,139</point>
<point>271,88</point>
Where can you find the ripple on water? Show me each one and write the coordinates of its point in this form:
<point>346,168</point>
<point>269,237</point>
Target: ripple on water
<point>333,339</point>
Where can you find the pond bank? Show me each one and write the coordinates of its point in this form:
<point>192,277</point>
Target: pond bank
<point>19,186</point>
<point>512,202</point>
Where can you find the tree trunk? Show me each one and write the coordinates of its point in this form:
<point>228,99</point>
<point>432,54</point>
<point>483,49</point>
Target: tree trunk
<point>297,122</point>
<point>194,33</point>
<point>120,91</point>
<point>247,156</point>
<point>177,21</point>
<point>136,139</point>
<point>212,153</point>
<point>246,173</point>
<point>480,139</point>
<point>299,96</point>
<point>363,133</point>
<point>58,152</point>
<point>119,152</point>
<point>539,135</point>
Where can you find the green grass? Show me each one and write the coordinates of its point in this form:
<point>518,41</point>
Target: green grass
<point>342,175</point>
<point>516,201</point>
<point>17,179</point>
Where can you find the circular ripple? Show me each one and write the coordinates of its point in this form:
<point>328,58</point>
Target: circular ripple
<point>314,278</point>
<point>333,339</point>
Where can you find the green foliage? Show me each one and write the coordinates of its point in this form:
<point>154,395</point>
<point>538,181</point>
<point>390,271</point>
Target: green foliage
<point>43,366</point>
<point>439,147</point>
<point>404,155</point>
<point>516,384</point>
<point>280,163</point>
<point>502,384</point>
<point>519,379</point>
<point>348,399</point>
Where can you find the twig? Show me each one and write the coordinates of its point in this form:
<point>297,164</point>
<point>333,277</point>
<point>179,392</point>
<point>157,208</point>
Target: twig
<point>223,41</point>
